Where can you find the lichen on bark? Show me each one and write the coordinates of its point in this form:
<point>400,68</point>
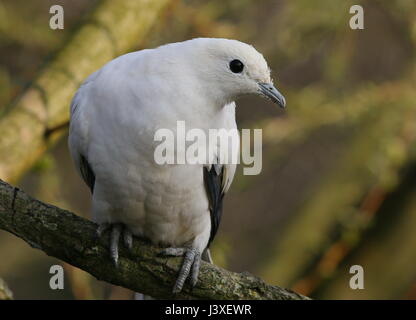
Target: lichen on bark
<point>66,236</point>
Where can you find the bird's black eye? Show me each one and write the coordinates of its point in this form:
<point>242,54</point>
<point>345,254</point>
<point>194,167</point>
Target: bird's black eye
<point>236,66</point>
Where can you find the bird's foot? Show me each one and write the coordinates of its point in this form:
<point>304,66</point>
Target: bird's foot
<point>190,266</point>
<point>116,230</point>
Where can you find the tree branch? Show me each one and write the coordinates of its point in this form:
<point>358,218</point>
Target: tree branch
<point>5,293</point>
<point>64,235</point>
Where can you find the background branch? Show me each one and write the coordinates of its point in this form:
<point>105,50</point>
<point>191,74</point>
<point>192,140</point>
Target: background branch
<point>5,293</point>
<point>64,235</point>
<point>113,28</point>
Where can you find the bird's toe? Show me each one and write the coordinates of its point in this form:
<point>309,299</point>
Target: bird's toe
<point>174,252</point>
<point>195,269</point>
<point>190,266</point>
<point>101,229</point>
<point>114,240</point>
<point>128,239</point>
<point>116,230</point>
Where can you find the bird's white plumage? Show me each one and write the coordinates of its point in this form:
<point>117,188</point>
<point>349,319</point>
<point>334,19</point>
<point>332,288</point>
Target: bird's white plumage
<point>116,112</point>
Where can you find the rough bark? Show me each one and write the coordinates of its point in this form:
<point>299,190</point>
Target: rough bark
<point>113,28</point>
<point>68,237</point>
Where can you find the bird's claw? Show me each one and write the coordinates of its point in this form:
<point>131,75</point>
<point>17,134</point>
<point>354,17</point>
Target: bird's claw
<point>190,266</point>
<point>116,229</point>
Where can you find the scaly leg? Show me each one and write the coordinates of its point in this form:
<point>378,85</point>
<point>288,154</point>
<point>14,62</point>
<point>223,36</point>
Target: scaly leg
<point>190,265</point>
<point>116,230</point>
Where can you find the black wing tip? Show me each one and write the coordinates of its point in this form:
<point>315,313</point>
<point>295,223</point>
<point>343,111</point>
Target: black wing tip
<point>87,173</point>
<point>213,183</point>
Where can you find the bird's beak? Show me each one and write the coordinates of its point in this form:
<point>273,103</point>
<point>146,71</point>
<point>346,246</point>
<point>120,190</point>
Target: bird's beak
<point>269,91</point>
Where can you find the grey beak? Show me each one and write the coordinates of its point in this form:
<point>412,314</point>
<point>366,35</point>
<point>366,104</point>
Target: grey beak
<point>268,90</point>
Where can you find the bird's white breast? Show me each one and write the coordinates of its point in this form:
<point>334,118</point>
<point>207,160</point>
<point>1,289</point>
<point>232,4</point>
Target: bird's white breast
<point>118,111</point>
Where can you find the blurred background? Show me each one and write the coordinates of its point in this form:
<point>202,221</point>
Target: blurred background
<point>338,185</point>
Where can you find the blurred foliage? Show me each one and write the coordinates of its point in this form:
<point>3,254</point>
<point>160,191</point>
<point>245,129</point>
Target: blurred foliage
<point>337,186</point>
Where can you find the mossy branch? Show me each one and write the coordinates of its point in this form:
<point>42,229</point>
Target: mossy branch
<point>62,234</point>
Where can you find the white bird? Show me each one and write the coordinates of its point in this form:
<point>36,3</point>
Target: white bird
<point>114,116</point>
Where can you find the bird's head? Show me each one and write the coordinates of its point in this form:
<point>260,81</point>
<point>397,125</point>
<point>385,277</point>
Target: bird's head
<point>233,68</point>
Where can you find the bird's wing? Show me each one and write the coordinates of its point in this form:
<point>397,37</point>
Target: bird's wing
<point>218,177</point>
<point>78,134</point>
<point>86,173</point>
<point>217,180</point>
